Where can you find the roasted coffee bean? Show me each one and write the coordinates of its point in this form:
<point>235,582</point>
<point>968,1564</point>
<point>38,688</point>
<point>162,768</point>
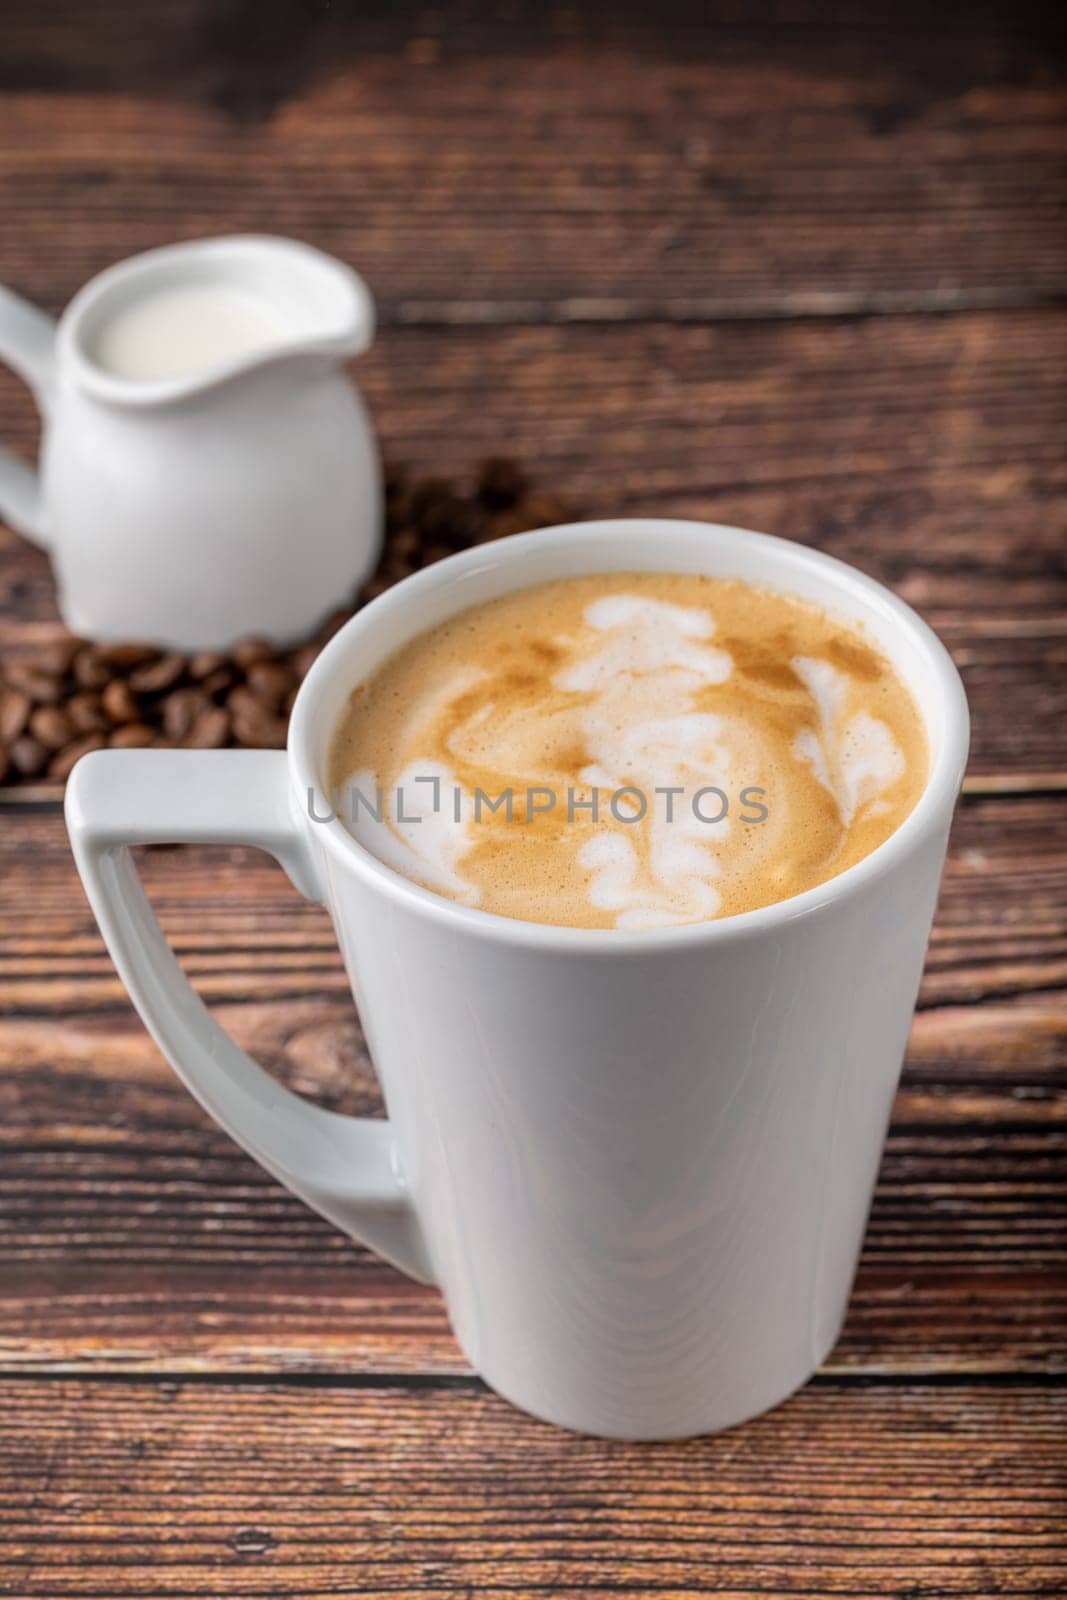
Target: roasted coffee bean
<point>259,729</point>
<point>501,482</point>
<point>88,669</point>
<point>449,521</point>
<point>397,514</point>
<point>43,688</point>
<point>403,548</point>
<point>405,542</point>
<point>253,722</point>
<point>393,573</point>
<point>132,736</point>
<point>28,756</point>
<point>218,682</point>
<point>155,676</point>
<point>502,524</point>
<point>542,511</point>
<point>129,694</point>
<point>374,587</point>
<point>85,712</point>
<point>426,494</point>
<point>334,622</point>
<point>395,477</point>
<point>52,727</point>
<point>241,699</point>
<point>249,651</point>
<point>210,731</point>
<point>59,655</point>
<point>14,713</point>
<point>119,702</point>
<point>302,658</point>
<point>61,764</point>
<point>180,710</point>
<point>124,657</point>
<point>204,663</point>
<point>270,682</point>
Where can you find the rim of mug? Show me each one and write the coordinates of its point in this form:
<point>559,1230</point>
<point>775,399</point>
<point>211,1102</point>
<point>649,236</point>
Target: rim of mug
<point>94,379</point>
<point>936,801</point>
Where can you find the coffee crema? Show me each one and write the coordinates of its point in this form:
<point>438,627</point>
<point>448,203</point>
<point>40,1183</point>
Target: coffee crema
<point>630,751</point>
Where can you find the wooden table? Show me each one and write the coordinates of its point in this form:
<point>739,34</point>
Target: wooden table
<point>774,271</point>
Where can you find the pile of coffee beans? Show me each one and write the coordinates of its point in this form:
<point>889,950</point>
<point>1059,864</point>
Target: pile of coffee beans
<point>76,697</point>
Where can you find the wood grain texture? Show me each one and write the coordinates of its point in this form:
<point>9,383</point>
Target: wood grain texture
<point>133,1232</point>
<point>245,935</point>
<point>793,267</point>
<point>926,451</point>
<point>534,163</point>
<point>195,1490</point>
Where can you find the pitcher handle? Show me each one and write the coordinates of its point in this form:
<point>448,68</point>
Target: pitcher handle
<point>346,1168</point>
<point>27,344</point>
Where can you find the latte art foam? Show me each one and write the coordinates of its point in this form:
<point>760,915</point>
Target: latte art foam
<point>629,751</point>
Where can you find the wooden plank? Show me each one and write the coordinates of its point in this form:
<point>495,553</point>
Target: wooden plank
<point>580,169</point>
<point>135,1253</point>
<point>134,1234</point>
<point>247,938</point>
<point>125,1248</point>
<point>925,451</point>
<point>593,163</point>
<point>146,1490</point>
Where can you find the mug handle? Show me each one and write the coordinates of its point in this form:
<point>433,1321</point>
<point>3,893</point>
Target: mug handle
<point>346,1168</point>
<point>27,344</point>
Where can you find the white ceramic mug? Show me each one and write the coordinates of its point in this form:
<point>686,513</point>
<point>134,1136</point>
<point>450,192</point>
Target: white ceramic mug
<point>638,1164</point>
<point>241,498</point>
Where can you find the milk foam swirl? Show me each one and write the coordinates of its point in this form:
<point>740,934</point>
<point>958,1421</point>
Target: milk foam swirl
<point>595,688</point>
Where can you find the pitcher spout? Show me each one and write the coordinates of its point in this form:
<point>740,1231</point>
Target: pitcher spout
<point>181,320</point>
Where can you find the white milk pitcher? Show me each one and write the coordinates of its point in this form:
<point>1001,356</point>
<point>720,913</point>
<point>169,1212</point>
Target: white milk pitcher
<point>207,469</point>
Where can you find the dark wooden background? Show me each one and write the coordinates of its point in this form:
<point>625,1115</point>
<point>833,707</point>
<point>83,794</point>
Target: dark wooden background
<point>794,266</point>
